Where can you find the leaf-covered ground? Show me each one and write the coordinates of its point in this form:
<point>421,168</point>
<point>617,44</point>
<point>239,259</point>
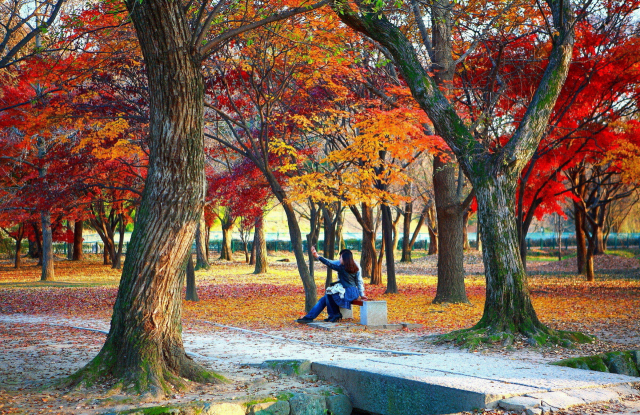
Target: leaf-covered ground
<point>230,294</point>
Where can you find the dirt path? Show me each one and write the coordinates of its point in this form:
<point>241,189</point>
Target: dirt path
<point>35,350</point>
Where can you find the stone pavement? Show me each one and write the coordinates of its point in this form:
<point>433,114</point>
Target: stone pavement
<point>442,383</point>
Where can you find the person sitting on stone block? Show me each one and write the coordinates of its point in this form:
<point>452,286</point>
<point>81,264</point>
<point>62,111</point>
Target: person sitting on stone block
<point>340,294</point>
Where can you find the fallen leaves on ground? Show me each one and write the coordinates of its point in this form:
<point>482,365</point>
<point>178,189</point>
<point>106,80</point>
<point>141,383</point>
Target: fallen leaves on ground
<point>231,295</point>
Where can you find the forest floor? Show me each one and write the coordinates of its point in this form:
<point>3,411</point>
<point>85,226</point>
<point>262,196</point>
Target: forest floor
<point>35,352</point>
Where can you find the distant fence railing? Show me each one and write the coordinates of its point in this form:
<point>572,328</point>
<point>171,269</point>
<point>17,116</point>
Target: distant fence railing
<point>614,241</point>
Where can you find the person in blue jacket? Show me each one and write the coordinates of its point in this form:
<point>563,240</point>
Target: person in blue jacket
<point>348,288</point>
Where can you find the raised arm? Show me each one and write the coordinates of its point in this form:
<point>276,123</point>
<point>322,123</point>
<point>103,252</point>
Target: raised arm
<point>333,265</point>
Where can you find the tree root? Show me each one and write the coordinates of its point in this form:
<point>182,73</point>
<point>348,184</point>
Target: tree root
<point>475,337</point>
<point>149,381</point>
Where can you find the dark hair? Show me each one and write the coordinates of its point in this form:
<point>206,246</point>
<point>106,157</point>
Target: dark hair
<point>348,262</point>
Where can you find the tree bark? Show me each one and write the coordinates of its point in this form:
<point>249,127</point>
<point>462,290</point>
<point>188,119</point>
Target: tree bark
<point>192,292</point>
<point>227,234</point>
<point>581,240</point>
<point>202,261</point>
<point>599,242</point>
<point>465,234</point>
<point>310,290</point>
<point>340,245</point>
<point>260,247</point>
<point>48,273</point>
<point>450,213</point>
<point>406,232</point>
<point>314,233</point>
<point>508,305</point>
<point>433,234</point>
<point>144,348</point>
<point>117,260</point>
<point>330,218</point>
<point>387,235</point>
<point>77,241</point>
<point>19,237</point>
<point>369,265</point>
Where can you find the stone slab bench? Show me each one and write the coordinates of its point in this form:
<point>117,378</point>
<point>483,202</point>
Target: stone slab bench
<point>372,313</point>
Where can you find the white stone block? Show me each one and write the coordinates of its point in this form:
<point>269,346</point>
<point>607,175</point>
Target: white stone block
<point>519,403</point>
<point>373,313</point>
<point>346,313</point>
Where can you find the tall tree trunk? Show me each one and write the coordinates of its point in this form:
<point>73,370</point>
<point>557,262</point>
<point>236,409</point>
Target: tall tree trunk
<point>38,239</point>
<point>144,348</point>
<point>369,264</point>
<point>207,238</point>
<point>599,242</point>
<point>592,238</point>
<point>260,248</point>
<point>387,235</point>
<point>117,260</point>
<point>432,225</point>
<point>581,240</point>
<point>340,245</point>
<point>77,241</point>
<point>406,232</point>
<point>106,259</point>
<point>19,237</point>
<point>225,250</point>
<point>313,235</point>
<point>192,292</point>
<point>465,234</point>
<point>47,247</point>
<point>310,290</point>
<point>450,214</point>
<point>330,219</point>
<point>508,305</point>
<point>202,260</point>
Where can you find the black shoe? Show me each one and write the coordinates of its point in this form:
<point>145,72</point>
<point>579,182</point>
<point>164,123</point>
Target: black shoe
<point>333,319</point>
<point>304,320</point>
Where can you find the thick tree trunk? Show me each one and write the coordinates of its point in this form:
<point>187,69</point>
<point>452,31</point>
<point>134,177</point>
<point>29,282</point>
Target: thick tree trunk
<point>599,242</point>
<point>406,233</point>
<point>144,348</point>
<point>106,259</point>
<point>508,305</point>
<point>17,257</point>
<point>329,223</point>
<point>313,235</point>
<point>310,290</point>
<point>450,233</point>
<point>433,242</point>
<point>369,260</point>
<point>432,225</point>
<point>581,240</point>
<point>387,235</point>
<point>260,248</point>
<point>202,261</point>
<point>19,236</point>
<point>340,245</point>
<point>591,234</point>
<point>47,247</point>
<point>225,249</point>
<point>465,234</point>
<point>192,292</point>
<point>117,260</point>
<point>77,241</point>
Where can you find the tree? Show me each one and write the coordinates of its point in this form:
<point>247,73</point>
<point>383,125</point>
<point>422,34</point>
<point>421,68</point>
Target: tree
<point>493,169</point>
<point>144,348</point>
